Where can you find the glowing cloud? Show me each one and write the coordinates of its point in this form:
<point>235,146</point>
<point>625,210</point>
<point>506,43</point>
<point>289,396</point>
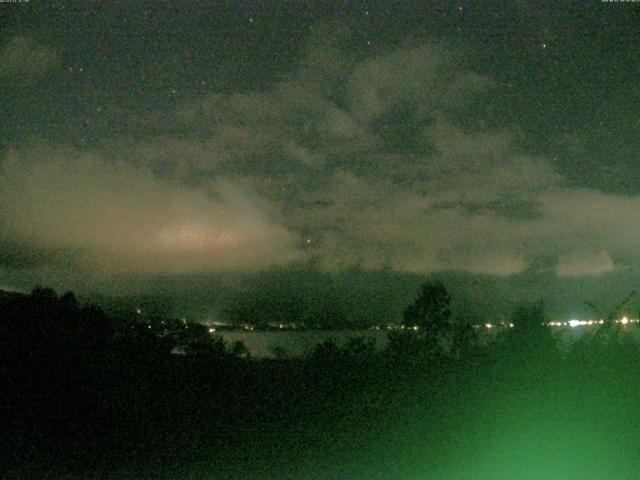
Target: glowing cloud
<point>127,218</point>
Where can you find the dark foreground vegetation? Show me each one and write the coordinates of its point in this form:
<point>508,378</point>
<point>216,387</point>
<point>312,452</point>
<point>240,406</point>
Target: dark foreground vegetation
<point>84,396</point>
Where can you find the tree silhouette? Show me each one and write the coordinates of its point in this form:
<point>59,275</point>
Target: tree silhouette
<point>430,315</point>
<point>431,309</point>
<point>325,353</point>
<point>530,338</point>
<point>198,341</point>
<point>239,349</point>
<point>69,302</point>
<point>464,340</point>
<point>44,328</point>
<point>528,320</point>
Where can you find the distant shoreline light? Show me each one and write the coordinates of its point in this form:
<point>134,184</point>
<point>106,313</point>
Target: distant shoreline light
<point>573,323</point>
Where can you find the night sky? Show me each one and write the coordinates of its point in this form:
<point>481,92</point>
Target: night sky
<point>356,144</point>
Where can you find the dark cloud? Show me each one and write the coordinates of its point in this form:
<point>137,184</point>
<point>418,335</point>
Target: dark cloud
<point>23,58</point>
<point>377,158</point>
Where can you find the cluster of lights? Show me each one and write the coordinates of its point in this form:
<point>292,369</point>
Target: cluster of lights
<point>489,326</point>
<point>571,323</point>
<point>581,323</point>
<point>281,326</point>
<point>415,328</point>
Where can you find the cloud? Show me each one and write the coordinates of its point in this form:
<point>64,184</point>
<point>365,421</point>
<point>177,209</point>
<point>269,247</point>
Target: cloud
<point>584,263</point>
<point>377,160</point>
<point>23,57</point>
<point>377,224</point>
<point>327,165</point>
<point>115,216</point>
<point>423,76</point>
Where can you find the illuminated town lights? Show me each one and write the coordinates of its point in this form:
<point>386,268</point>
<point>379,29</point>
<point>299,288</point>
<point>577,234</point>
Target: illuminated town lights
<point>573,323</point>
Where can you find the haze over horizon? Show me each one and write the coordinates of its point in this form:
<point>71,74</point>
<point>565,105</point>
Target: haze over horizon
<point>322,151</point>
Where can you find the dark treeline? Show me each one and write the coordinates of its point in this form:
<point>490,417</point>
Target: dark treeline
<point>84,395</point>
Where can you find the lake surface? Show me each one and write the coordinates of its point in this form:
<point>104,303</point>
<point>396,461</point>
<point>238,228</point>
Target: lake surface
<point>295,343</point>
<point>292,343</point>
